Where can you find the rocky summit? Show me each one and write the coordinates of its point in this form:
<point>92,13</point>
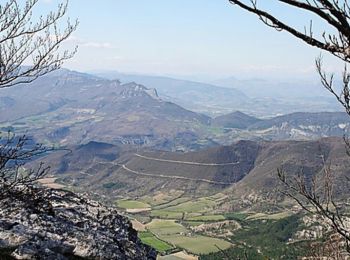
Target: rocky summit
<point>64,225</point>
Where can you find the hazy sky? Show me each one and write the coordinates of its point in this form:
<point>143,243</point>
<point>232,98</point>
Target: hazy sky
<point>209,38</point>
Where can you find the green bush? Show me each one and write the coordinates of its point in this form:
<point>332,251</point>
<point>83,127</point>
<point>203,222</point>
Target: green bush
<point>113,185</point>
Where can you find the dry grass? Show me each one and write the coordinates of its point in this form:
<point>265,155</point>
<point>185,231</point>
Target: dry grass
<point>134,211</point>
<point>50,183</point>
<point>138,226</point>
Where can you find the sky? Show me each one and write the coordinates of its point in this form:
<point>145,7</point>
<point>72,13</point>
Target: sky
<point>209,39</point>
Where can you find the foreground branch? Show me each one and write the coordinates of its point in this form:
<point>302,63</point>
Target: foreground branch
<point>15,152</point>
<point>24,40</point>
<point>316,197</point>
<point>331,12</point>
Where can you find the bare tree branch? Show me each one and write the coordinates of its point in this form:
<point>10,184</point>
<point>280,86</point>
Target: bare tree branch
<point>316,196</point>
<point>36,42</point>
<point>15,152</point>
<point>329,11</point>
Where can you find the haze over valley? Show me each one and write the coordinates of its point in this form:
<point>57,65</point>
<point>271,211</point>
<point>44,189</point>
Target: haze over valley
<point>68,107</point>
<point>135,146</point>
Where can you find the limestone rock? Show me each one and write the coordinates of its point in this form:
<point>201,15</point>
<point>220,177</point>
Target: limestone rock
<point>71,227</point>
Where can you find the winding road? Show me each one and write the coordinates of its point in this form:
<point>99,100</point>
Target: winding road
<point>185,162</point>
<point>173,177</point>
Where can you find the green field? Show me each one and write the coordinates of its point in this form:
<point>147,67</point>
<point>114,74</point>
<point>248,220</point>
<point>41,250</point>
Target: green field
<point>276,216</point>
<point>172,219</point>
<point>199,206</point>
<point>208,218</point>
<point>193,223</point>
<point>165,227</point>
<point>166,214</point>
<point>132,204</point>
<point>153,201</point>
<point>236,216</point>
<point>217,196</point>
<point>197,244</point>
<point>172,203</point>
<point>176,234</point>
<point>150,239</point>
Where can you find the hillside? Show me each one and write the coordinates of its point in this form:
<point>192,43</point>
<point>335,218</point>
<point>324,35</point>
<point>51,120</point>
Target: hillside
<point>302,119</point>
<point>294,126</point>
<point>248,167</point>
<point>120,170</point>
<point>260,187</point>
<point>68,107</point>
<point>236,120</point>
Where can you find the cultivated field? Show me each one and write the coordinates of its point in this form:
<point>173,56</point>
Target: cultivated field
<point>132,204</point>
<point>174,221</point>
<point>197,244</point>
<point>150,239</point>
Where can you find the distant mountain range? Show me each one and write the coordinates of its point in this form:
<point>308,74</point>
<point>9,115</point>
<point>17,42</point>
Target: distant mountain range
<point>256,97</point>
<point>293,88</point>
<point>200,97</point>
<point>295,126</point>
<point>68,107</point>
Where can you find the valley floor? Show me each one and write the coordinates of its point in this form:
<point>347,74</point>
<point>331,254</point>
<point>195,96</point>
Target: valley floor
<point>181,227</point>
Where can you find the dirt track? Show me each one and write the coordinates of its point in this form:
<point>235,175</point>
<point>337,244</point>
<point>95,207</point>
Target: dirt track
<point>185,162</point>
<point>174,177</point>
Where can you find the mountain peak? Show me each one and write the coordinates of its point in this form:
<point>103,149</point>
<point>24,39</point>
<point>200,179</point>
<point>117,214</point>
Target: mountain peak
<point>235,119</point>
<point>133,89</point>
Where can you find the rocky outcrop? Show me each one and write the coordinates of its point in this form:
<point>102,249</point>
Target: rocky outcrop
<point>67,226</point>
